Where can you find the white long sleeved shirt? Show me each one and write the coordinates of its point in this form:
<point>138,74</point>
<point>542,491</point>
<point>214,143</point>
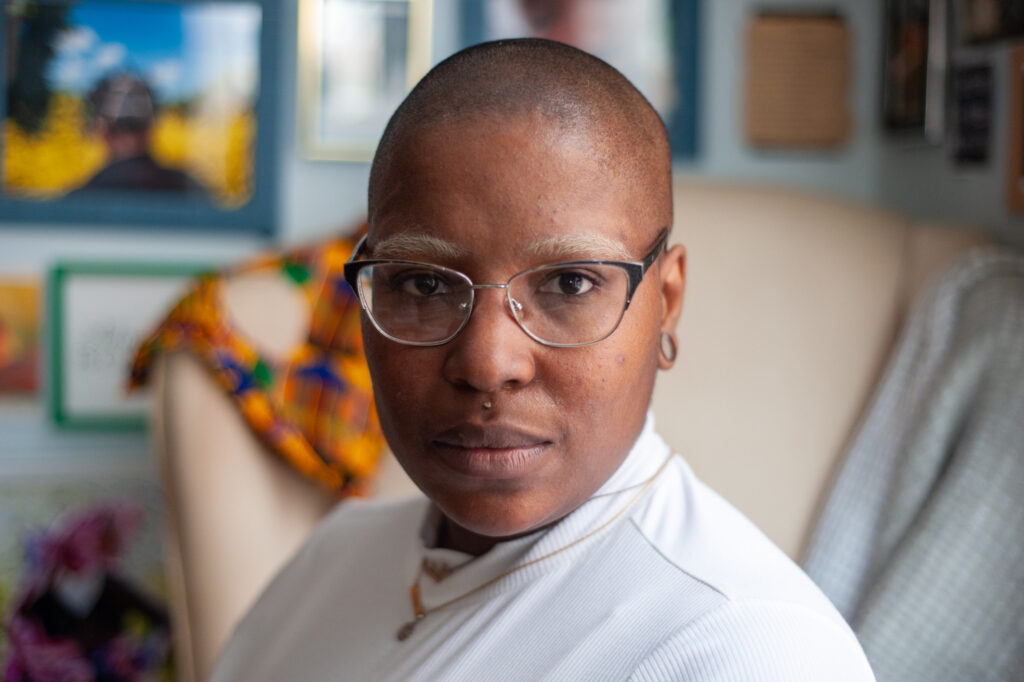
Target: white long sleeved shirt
<point>680,587</point>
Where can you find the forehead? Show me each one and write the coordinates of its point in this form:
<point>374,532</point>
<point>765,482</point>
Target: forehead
<point>475,186</point>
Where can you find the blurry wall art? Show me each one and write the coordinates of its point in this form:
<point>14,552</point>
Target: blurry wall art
<point>914,74</point>
<point>354,75</point>
<point>984,21</point>
<point>1015,152</point>
<point>82,582</point>
<point>99,313</point>
<point>19,336</point>
<point>654,43</point>
<point>153,103</point>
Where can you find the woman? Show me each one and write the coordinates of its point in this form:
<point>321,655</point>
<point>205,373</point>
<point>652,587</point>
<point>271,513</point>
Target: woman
<point>518,299</point>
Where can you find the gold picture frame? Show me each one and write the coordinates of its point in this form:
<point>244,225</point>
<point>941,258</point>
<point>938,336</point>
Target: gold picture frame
<point>351,77</point>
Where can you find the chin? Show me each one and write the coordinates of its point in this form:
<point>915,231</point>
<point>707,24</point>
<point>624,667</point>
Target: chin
<point>494,515</point>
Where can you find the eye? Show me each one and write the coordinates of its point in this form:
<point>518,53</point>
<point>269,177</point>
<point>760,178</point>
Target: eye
<point>568,283</point>
<point>420,283</point>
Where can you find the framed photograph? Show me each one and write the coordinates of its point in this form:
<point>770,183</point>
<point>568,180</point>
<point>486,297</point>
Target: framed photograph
<point>972,103</point>
<point>809,52</point>
<point>353,76</point>
<point>139,113</point>
<point>1015,157</point>
<point>654,43</point>
<point>83,537</point>
<point>986,21</point>
<point>98,315</point>
<point>19,336</point>
<point>914,68</point>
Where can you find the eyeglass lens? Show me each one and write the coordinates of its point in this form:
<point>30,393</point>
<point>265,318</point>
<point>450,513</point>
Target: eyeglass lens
<point>557,304</point>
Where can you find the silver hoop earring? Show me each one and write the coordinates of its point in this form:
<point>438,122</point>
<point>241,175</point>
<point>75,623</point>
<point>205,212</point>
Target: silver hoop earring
<point>669,354</point>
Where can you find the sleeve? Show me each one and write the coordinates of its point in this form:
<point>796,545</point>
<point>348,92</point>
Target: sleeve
<point>758,642</point>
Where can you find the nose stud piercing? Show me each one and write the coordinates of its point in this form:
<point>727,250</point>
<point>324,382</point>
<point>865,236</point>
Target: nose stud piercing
<point>487,405</point>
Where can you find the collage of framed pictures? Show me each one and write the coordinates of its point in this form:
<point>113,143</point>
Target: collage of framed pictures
<point>98,315</point>
<point>130,112</point>
<point>354,75</point>
<point>654,43</point>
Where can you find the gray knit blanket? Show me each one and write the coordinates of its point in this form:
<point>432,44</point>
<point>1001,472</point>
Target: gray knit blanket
<point>921,541</point>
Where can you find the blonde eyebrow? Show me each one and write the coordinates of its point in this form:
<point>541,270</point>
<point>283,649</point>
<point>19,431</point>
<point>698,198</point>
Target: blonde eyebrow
<point>553,249</point>
<point>579,247</point>
<point>417,247</point>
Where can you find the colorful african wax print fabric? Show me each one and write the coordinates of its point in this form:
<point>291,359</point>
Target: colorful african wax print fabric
<point>315,407</point>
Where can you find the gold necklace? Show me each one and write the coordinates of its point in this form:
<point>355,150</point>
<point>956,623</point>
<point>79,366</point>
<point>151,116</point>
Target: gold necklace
<point>419,612</point>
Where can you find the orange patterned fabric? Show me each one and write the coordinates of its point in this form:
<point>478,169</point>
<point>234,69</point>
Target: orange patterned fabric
<point>313,408</point>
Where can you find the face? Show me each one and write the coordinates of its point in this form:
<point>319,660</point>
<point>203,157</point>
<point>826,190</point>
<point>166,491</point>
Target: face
<point>492,198</point>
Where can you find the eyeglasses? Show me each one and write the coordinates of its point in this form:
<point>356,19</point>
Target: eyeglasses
<point>563,304</point>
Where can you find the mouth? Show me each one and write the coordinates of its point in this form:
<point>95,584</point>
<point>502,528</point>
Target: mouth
<point>492,451</point>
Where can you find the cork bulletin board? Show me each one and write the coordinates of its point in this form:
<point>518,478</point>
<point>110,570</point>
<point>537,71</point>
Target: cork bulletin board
<point>797,82</point>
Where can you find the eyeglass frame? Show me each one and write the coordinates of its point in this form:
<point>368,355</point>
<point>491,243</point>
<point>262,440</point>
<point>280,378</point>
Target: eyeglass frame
<point>635,272</point>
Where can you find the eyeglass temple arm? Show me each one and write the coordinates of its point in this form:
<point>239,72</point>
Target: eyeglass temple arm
<point>636,275</point>
<point>351,265</point>
<point>660,247</point>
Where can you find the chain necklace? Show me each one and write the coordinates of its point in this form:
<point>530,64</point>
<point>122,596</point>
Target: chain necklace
<point>420,612</point>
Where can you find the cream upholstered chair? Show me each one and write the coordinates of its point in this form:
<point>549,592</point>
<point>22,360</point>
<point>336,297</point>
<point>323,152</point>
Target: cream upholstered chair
<point>793,304</point>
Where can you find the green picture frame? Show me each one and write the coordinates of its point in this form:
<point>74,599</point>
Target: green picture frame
<point>97,314</point>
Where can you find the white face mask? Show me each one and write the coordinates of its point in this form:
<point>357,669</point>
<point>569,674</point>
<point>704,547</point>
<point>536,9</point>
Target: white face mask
<point>79,592</point>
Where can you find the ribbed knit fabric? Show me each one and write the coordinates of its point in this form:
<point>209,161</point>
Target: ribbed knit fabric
<point>681,587</point>
<point>921,542</point>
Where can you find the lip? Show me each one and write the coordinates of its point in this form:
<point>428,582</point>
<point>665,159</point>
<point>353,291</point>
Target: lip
<point>493,451</point>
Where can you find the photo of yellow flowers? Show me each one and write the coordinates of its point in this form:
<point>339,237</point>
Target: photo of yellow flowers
<point>133,98</point>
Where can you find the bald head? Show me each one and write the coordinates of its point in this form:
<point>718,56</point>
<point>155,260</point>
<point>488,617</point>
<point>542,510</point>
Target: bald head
<point>574,92</point>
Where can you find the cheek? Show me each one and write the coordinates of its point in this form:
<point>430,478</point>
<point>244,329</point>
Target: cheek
<point>603,383</point>
<point>401,376</point>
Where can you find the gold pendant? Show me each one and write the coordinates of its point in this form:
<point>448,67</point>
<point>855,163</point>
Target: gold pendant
<point>406,630</point>
<point>437,570</point>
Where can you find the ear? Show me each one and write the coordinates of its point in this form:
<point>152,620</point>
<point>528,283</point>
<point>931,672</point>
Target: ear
<point>672,273</point>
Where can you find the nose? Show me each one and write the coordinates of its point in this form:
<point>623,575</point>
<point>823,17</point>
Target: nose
<point>491,353</point>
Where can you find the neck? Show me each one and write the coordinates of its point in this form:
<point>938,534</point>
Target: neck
<point>453,536</point>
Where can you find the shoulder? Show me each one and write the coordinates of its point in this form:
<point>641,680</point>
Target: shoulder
<point>703,536</point>
<point>356,537</point>
<point>766,613</point>
<point>347,551</point>
<point>348,548</point>
<point>758,641</point>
